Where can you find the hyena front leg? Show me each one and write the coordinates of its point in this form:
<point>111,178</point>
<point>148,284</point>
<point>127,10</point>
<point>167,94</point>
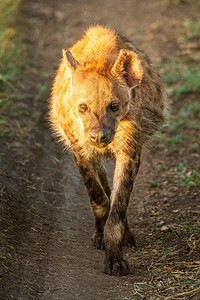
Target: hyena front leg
<point>97,186</point>
<point>129,238</point>
<point>116,225</point>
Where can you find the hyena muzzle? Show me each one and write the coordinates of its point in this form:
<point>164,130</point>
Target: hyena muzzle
<point>107,100</point>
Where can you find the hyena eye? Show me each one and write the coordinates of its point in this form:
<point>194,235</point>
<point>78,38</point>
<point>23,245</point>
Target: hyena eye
<point>83,107</point>
<point>114,106</point>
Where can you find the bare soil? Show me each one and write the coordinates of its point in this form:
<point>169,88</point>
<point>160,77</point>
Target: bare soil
<point>47,221</point>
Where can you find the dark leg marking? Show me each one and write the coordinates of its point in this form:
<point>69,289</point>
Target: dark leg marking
<point>116,228</point>
<point>96,183</point>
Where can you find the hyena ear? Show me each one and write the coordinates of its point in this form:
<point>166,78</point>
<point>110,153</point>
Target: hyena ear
<point>72,62</point>
<point>128,68</point>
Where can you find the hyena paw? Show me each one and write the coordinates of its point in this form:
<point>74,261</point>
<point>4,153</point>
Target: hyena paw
<point>129,239</point>
<point>98,241</point>
<point>116,265</point>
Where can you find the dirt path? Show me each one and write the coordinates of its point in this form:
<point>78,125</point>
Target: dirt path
<point>47,252</point>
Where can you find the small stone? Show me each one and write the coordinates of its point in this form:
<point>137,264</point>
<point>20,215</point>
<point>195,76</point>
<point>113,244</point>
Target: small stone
<point>164,228</point>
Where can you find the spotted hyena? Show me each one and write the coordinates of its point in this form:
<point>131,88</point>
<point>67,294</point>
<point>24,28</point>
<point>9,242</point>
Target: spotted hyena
<point>107,100</point>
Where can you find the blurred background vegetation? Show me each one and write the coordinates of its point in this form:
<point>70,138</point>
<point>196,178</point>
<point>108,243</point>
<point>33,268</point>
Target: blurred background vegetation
<point>12,57</point>
<point>181,75</point>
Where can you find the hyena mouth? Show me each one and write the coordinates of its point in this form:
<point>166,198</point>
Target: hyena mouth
<point>99,140</point>
<point>100,145</point>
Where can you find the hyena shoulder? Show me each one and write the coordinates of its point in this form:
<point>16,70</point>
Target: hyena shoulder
<point>151,90</point>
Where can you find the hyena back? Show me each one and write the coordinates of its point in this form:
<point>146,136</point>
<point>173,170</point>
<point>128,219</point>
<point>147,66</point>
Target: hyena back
<point>107,100</point>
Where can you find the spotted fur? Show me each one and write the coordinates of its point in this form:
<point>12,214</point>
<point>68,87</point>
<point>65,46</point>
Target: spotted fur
<point>101,69</point>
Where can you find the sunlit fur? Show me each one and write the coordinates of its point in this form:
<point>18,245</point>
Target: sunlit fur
<point>101,69</point>
<point>98,53</point>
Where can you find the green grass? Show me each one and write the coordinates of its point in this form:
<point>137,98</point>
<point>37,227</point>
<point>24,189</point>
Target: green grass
<point>41,90</point>
<point>187,118</point>
<point>180,126</point>
<point>189,177</point>
<point>182,77</point>
<point>11,46</point>
<point>153,184</point>
<point>183,132</point>
<point>182,74</point>
<point>192,28</point>
<point>191,228</point>
<point>12,60</point>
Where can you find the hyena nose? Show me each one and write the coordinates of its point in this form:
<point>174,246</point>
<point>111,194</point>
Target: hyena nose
<point>98,137</point>
<point>102,139</point>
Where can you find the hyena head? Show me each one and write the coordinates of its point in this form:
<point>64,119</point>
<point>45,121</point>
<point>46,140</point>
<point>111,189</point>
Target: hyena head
<point>100,100</point>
